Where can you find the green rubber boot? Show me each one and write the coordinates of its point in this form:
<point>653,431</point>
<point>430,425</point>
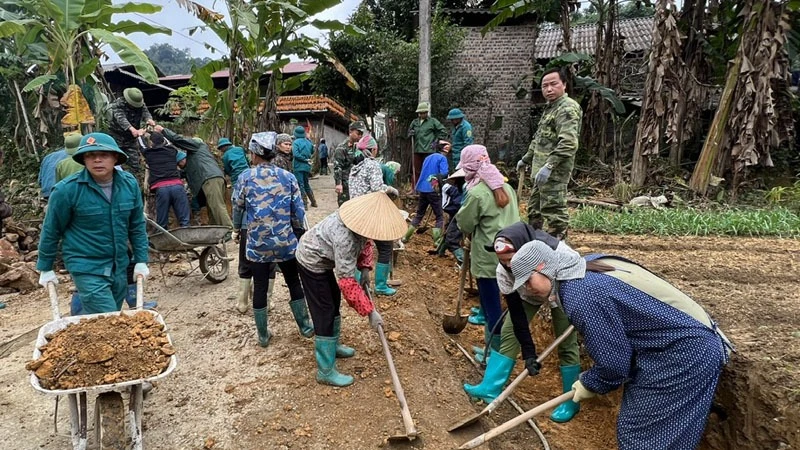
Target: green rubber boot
<point>300,313</point>
<point>409,233</point>
<point>494,344</point>
<point>243,296</point>
<point>459,254</point>
<point>567,410</point>
<point>342,351</point>
<point>477,318</point>
<point>437,235</point>
<point>497,372</point>
<point>381,277</point>
<point>325,352</point>
<point>261,326</point>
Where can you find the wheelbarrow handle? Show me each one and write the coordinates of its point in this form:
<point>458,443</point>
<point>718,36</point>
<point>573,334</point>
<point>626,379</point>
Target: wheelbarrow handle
<point>51,290</point>
<point>139,291</point>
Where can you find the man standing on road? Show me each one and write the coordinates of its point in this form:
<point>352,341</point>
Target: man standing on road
<point>425,130</point>
<point>323,157</point>
<point>343,160</point>
<point>94,216</point>
<point>461,136</point>
<point>129,115</point>
<point>206,180</point>
<point>552,154</point>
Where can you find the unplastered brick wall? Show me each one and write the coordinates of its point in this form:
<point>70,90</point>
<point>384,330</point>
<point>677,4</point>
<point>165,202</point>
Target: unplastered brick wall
<point>499,60</point>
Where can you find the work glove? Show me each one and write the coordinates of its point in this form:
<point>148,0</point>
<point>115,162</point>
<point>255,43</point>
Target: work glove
<point>411,132</point>
<point>140,269</point>
<point>392,192</point>
<point>533,366</point>
<point>581,393</point>
<point>299,232</point>
<point>235,236</point>
<point>520,165</point>
<point>48,276</point>
<point>364,278</point>
<point>375,319</point>
<point>542,176</point>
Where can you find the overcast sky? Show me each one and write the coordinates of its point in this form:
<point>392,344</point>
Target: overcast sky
<point>181,21</point>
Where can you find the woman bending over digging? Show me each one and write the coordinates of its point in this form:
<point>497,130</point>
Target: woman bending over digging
<point>642,333</point>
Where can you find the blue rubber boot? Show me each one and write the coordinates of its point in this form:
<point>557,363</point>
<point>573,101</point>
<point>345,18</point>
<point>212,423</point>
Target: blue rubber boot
<point>567,410</point>
<point>342,351</point>
<point>300,313</point>
<point>459,254</point>
<point>477,318</point>
<point>261,317</point>
<point>497,373</point>
<point>325,352</point>
<point>381,277</point>
<point>494,344</point>
<point>475,310</point>
<point>130,299</point>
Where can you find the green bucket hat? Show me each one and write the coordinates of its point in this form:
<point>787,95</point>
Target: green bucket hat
<point>424,107</point>
<point>98,142</point>
<point>455,113</point>
<point>223,142</point>
<point>134,97</point>
<point>71,143</point>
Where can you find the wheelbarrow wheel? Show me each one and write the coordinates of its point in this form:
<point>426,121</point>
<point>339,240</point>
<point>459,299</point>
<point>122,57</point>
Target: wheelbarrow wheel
<point>214,266</point>
<point>110,421</point>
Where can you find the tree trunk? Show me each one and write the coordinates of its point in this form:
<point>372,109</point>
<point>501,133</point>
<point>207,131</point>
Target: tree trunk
<point>716,134</point>
<point>25,117</point>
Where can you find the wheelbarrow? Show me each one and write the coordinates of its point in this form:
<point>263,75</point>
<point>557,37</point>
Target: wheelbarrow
<point>213,259</point>
<point>109,413</point>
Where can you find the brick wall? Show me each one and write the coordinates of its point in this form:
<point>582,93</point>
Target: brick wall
<point>499,60</point>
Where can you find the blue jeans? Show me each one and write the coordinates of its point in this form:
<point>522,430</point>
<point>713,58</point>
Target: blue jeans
<point>302,180</point>
<point>489,295</point>
<point>172,197</point>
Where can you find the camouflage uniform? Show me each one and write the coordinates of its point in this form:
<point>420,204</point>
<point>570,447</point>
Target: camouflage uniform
<point>343,160</point>
<point>555,144</point>
<point>123,117</point>
<point>283,160</point>
<point>271,200</point>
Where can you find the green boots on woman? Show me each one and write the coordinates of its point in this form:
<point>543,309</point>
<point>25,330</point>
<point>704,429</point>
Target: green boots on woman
<point>567,410</point>
<point>300,313</point>
<point>498,370</point>
<point>325,352</point>
<point>261,326</point>
<point>381,278</point>
<point>342,351</point>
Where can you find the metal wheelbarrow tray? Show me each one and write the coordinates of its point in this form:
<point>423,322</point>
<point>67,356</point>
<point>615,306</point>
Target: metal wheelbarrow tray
<point>214,263</point>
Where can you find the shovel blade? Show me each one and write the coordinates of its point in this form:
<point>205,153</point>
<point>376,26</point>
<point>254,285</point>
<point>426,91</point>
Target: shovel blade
<point>453,324</point>
<point>401,438</point>
<point>465,422</point>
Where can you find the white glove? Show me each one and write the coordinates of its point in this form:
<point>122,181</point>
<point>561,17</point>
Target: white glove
<point>392,192</point>
<point>235,236</point>
<point>581,393</point>
<point>48,276</point>
<point>375,319</point>
<point>520,165</point>
<point>141,269</point>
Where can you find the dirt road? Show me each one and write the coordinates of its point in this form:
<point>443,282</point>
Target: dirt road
<point>228,393</point>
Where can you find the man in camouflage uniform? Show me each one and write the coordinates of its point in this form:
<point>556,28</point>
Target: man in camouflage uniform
<point>552,156</point>
<point>344,159</point>
<point>129,115</point>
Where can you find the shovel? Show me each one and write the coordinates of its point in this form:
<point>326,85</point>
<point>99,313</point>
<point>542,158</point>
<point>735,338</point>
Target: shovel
<point>510,388</point>
<point>497,431</point>
<point>454,324</point>
<point>408,422</point>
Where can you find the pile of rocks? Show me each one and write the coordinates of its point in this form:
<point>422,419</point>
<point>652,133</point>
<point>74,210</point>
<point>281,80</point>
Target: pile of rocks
<point>18,254</point>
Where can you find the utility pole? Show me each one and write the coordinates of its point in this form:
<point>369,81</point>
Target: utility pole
<point>424,50</point>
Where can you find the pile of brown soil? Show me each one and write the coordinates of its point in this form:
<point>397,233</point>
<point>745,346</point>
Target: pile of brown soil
<point>104,350</point>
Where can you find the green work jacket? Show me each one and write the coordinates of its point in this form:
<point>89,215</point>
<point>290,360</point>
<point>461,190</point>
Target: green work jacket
<point>556,142</point>
<point>425,133</point>
<point>461,137</point>
<point>94,232</point>
<point>201,165</point>
<point>480,217</point>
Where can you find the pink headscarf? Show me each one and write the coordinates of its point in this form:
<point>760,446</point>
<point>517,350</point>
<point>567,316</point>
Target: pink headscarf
<point>477,166</point>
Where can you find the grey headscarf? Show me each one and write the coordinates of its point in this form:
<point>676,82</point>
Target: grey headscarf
<point>560,264</point>
<point>283,137</point>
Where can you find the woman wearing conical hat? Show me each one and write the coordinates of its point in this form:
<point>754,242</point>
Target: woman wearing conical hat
<point>329,255</point>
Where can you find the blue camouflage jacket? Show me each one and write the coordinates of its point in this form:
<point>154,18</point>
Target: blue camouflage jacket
<point>273,209</point>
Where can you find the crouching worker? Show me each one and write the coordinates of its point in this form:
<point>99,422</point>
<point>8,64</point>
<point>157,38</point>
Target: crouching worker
<point>271,201</point>
<point>94,215</point>
<point>330,254</point>
<point>642,333</point>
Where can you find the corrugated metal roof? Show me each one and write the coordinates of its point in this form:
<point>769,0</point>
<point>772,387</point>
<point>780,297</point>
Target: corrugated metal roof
<point>638,34</point>
<point>291,68</point>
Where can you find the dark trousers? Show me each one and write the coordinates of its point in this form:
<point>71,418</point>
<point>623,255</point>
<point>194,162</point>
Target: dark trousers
<point>173,197</point>
<point>384,251</point>
<point>323,298</point>
<point>244,265</point>
<point>302,180</point>
<point>261,273</point>
<point>323,166</point>
<point>489,295</point>
<point>453,235</point>
<point>434,200</point>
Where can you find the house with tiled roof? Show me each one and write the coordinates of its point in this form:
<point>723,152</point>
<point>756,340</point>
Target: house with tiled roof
<point>636,35</point>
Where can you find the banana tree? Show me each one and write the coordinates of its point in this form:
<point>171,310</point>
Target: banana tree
<point>261,37</point>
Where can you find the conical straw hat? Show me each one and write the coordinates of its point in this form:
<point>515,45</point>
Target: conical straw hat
<point>373,216</point>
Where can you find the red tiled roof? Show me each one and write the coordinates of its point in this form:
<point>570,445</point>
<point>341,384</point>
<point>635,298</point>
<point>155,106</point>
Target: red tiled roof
<point>638,34</point>
<point>313,103</point>
<point>291,68</point>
